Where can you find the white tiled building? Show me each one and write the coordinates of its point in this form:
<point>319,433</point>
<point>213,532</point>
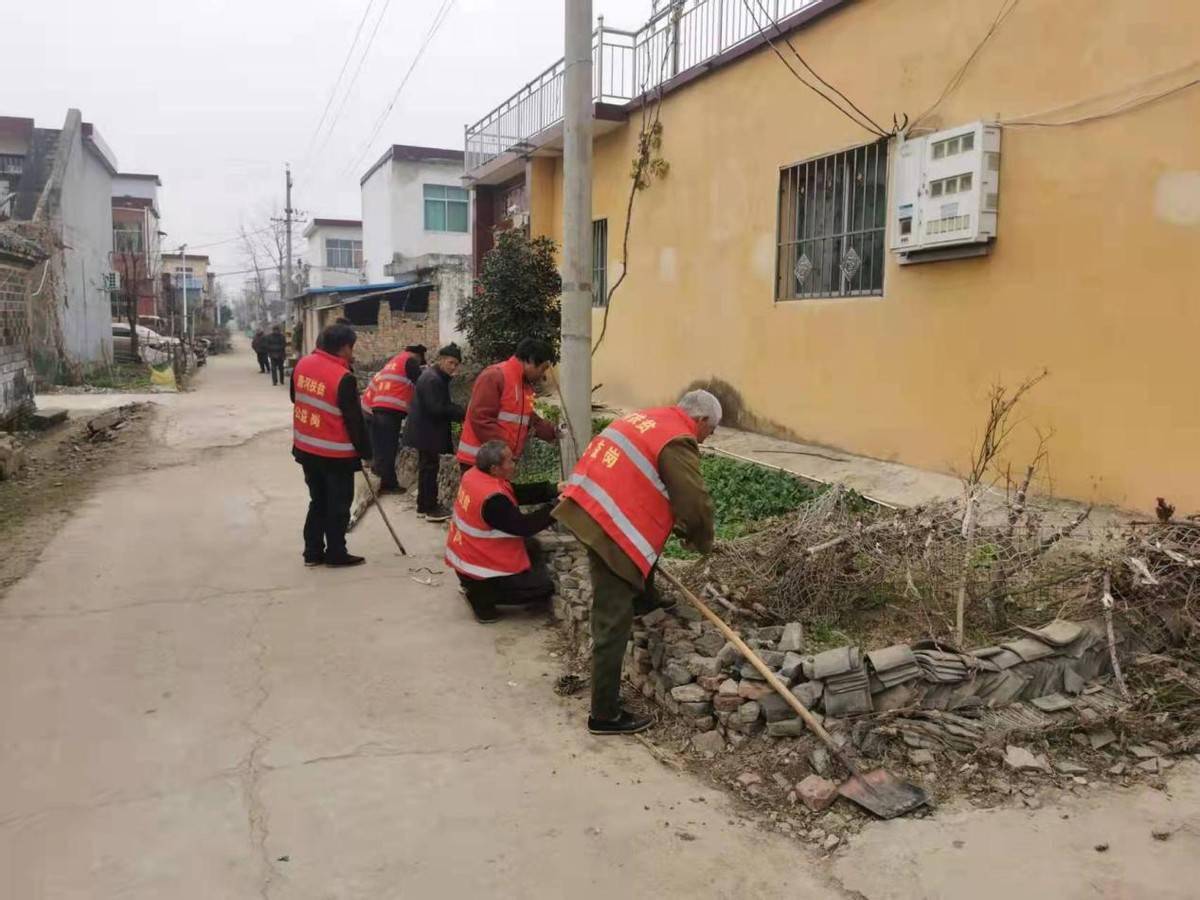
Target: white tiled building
<point>334,253</point>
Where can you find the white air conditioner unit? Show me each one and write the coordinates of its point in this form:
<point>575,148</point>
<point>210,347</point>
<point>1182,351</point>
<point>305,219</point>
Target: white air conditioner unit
<point>112,281</point>
<point>946,189</point>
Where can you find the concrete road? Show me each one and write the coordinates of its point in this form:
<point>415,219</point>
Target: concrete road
<point>187,712</point>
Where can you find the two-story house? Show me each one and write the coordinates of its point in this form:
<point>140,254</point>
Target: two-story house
<point>59,181</point>
<point>137,239</point>
<point>416,226</point>
<point>333,254</point>
<point>965,199</point>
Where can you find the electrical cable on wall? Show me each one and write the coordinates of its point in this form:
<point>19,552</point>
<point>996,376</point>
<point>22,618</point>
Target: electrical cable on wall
<point>865,122</point>
<point>1005,10</point>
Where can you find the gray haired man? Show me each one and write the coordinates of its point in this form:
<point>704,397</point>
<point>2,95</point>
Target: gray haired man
<point>637,481</point>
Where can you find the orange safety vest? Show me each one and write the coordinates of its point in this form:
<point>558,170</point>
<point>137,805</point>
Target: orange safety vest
<point>516,412</point>
<point>390,388</point>
<point>473,547</point>
<point>317,425</point>
<point>616,481</point>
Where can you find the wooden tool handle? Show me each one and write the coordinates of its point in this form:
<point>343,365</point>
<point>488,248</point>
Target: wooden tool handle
<point>778,686</point>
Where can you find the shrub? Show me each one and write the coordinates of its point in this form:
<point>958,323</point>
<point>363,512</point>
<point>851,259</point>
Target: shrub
<point>516,296</point>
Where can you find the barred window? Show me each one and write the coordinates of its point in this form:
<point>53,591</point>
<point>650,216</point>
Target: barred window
<point>832,216</point>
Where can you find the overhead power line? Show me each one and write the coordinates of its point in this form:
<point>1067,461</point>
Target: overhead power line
<point>354,78</point>
<point>438,18</point>
<point>337,81</point>
<point>865,122</point>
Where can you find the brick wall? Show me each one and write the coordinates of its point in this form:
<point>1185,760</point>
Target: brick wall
<point>396,330</point>
<point>16,373</point>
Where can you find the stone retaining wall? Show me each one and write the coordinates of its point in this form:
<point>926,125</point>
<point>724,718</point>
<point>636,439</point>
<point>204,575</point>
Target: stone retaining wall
<point>685,665</point>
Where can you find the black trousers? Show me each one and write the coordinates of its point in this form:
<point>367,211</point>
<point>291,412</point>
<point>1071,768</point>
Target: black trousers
<point>385,442</point>
<point>523,589</point>
<point>330,493</point>
<point>428,463</point>
<point>263,364</point>
<point>277,370</point>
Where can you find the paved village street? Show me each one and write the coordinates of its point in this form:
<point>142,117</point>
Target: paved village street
<point>188,712</point>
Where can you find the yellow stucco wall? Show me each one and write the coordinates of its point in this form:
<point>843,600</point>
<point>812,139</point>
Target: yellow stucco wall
<point>1094,275</point>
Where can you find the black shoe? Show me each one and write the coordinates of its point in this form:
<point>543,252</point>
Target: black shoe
<point>391,489</point>
<point>311,562</point>
<point>437,514</point>
<point>626,723</point>
<point>483,615</point>
<point>344,562</point>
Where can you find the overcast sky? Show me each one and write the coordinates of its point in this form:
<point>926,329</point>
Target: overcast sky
<point>215,95</point>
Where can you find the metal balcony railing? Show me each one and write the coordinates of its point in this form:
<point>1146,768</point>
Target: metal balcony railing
<point>627,64</point>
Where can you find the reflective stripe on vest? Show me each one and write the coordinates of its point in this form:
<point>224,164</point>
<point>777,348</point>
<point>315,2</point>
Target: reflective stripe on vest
<point>301,438</point>
<point>310,400</point>
<point>317,423</point>
<point>635,537</point>
<point>473,547</point>
<point>470,568</point>
<point>390,387</point>
<point>616,481</point>
<point>388,400</point>
<point>513,418</point>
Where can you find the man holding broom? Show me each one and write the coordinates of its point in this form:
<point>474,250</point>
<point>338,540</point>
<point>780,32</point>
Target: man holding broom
<point>636,482</point>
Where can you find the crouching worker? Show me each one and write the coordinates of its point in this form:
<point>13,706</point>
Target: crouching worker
<point>638,480</point>
<point>486,541</point>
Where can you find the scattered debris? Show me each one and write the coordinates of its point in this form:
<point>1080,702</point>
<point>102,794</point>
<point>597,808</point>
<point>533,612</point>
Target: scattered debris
<point>1022,760</point>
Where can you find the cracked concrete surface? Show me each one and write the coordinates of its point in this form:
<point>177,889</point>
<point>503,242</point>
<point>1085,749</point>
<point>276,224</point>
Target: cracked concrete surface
<point>187,712</point>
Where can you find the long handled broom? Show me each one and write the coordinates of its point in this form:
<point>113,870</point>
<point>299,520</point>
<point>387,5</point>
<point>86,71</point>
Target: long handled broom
<point>879,791</point>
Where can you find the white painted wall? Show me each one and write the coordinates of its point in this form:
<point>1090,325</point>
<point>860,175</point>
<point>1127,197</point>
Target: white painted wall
<point>377,223</point>
<point>393,211</point>
<point>314,254</point>
<point>86,216</point>
<point>145,188</point>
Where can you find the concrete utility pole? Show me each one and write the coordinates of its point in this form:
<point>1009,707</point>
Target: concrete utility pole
<point>287,269</point>
<point>183,283</point>
<point>577,228</point>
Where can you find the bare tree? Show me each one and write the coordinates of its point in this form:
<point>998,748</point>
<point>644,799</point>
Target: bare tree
<point>139,276</point>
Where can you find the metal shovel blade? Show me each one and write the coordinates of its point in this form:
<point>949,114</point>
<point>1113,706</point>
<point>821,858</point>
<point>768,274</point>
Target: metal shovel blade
<point>882,793</point>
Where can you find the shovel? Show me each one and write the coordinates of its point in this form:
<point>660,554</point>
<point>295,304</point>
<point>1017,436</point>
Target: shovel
<point>879,792</point>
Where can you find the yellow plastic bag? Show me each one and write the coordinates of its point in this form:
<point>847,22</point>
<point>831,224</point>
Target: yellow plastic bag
<point>163,376</point>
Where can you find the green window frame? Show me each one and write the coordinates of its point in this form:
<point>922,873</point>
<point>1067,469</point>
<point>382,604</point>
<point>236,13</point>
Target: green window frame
<point>446,208</point>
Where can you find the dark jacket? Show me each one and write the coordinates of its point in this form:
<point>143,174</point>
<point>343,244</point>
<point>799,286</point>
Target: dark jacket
<point>431,412</point>
<point>256,342</point>
<point>504,515</point>
<point>352,416</point>
<point>275,344</point>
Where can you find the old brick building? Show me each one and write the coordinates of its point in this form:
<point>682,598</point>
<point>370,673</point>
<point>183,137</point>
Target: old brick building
<point>18,257</point>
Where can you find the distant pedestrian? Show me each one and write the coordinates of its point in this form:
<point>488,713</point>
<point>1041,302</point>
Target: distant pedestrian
<point>387,398</point>
<point>427,429</point>
<point>329,438</point>
<point>259,347</point>
<point>276,346</point>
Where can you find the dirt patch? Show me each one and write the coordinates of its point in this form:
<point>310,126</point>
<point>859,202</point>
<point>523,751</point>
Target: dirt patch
<point>64,466</point>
